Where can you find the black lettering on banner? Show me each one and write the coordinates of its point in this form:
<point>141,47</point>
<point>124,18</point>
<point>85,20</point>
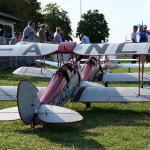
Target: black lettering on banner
<point>105,46</point>
<point>32,49</point>
<point>97,48</point>
<point>119,50</point>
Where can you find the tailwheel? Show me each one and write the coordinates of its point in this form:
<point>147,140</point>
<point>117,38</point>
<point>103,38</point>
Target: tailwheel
<point>88,105</point>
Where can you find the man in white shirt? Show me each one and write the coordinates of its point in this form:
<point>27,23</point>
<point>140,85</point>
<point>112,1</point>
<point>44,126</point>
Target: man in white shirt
<point>134,37</point>
<point>57,36</point>
<point>134,34</point>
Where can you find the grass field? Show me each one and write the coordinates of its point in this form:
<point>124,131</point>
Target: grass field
<point>105,126</point>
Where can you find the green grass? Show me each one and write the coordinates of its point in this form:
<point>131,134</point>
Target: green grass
<point>105,126</point>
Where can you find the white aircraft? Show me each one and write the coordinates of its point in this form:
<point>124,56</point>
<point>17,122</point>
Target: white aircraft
<point>43,104</point>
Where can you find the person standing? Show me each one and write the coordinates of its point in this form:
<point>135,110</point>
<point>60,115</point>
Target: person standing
<point>49,36</point>
<point>134,34</point>
<point>143,34</point>
<point>41,33</point>
<point>2,39</point>
<point>14,39</point>
<point>134,38</point>
<point>84,39</point>
<point>29,34</point>
<point>57,35</point>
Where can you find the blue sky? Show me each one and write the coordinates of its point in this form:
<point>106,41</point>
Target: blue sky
<point>121,15</point>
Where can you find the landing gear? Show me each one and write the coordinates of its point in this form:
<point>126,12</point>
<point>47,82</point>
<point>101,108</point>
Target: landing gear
<point>106,84</point>
<point>88,105</point>
<point>142,86</point>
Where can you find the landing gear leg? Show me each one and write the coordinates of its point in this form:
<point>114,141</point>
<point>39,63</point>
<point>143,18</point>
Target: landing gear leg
<point>88,105</point>
<point>106,84</point>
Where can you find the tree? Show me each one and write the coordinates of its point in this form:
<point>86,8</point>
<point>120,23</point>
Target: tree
<point>94,25</point>
<point>23,9</point>
<point>55,16</point>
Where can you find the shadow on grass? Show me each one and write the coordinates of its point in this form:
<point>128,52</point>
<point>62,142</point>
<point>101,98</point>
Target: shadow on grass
<point>69,136</point>
<point>82,135</point>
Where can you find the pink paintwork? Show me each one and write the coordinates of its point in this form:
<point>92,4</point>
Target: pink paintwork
<point>87,71</point>
<point>58,82</point>
<point>55,87</point>
<point>66,47</point>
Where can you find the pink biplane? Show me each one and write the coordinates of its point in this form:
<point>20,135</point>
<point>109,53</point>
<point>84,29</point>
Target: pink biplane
<point>42,104</point>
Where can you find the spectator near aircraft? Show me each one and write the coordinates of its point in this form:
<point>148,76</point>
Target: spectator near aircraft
<point>14,39</point>
<point>41,33</point>
<point>57,35</point>
<point>2,39</point>
<point>134,34</point>
<point>49,36</point>
<point>84,39</point>
<point>29,34</point>
<point>143,34</point>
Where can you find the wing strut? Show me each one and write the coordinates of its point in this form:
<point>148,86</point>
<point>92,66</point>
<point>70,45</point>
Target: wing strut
<point>141,71</point>
<point>143,62</point>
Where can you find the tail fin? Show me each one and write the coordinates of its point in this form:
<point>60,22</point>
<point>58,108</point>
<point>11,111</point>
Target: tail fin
<point>28,101</point>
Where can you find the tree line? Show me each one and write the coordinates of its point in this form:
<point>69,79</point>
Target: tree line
<point>92,23</point>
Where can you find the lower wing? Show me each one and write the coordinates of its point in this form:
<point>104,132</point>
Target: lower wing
<point>98,93</point>
<point>36,72</point>
<point>124,77</point>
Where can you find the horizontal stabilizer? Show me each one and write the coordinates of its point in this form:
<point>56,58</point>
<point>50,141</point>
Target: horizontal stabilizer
<point>9,114</point>
<point>124,77</point>
<point>57,114</point>
<point>36,72</point>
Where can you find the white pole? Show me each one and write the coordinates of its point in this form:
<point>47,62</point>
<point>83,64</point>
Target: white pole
<point>80,8</point>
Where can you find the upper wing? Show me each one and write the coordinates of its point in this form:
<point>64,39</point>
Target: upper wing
<point>8,93</point>
<point>111,94</point>
<point>124,77</point>
<point>112,48</point>
<point>36,72</point>
<point>28,49</point>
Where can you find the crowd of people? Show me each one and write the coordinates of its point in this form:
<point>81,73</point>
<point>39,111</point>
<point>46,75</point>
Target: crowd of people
<point>42,35</point>
<point>140,34</point>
